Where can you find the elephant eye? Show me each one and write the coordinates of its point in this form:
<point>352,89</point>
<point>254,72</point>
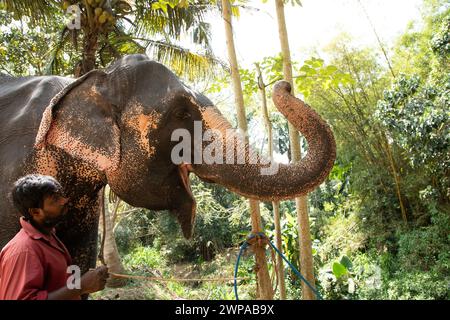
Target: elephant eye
<point>182,114</point>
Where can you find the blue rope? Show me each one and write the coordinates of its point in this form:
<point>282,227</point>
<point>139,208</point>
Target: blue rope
<point>318,296</point>
<point>299,275</point>
<point>243,247</point>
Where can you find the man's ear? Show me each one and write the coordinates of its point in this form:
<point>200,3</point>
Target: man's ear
<point>82,121</point>
<point>34,212</point>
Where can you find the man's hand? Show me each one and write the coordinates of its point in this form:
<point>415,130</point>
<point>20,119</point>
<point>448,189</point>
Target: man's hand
<point>94,280</point>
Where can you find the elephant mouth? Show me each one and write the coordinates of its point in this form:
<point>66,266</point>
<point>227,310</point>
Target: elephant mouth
<point>184,170</point>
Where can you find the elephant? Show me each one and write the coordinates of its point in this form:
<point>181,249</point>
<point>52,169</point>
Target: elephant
<point>114,126</point>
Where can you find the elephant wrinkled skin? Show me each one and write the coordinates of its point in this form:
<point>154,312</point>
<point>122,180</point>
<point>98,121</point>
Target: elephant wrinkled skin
<point>114,127</point>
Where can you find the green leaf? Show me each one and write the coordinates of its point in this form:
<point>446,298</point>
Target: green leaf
<point>308,70</point>
<point>330,69</point>
<point>345,261</point>
<point>339,270</point>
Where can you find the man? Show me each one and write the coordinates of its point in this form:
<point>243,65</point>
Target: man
<point>34,264</point>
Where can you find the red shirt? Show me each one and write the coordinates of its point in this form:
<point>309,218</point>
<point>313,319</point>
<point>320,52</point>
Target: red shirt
<point>32,264</point>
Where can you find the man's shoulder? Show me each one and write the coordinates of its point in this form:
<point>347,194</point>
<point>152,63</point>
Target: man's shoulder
<point>21,244</point>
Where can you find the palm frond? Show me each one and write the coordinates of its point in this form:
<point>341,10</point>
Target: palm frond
<point>39,11</point>
<point>184,62</point>
<point>117,44</point>
<point>170,25</point>
<point>201,35</point>
<point>151,22</point>
<point>54,62</point>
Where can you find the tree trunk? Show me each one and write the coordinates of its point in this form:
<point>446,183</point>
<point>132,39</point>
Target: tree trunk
<point>87,63</point>
<point>275,204</point>
<point>306,259</point>
<point>110,252</point>
<point>396,180</point>
<point>264,285</point>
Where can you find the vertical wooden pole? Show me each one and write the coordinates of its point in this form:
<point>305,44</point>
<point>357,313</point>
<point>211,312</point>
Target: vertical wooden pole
<point>259,248</point>
<point>275,204</point>
<point>109,249</point>
<point>306,259</point>
<point>264,283</point>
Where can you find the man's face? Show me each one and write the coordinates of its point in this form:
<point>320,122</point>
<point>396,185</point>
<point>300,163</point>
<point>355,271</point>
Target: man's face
<point>52,211</point>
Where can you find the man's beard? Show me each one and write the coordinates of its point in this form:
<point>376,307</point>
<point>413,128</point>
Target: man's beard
<point>52,222</point>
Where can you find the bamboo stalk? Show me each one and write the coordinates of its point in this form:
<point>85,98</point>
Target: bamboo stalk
<point>275,204</point>
<point>264,283</point>
<point>301,203</point>
<point>397,182</point>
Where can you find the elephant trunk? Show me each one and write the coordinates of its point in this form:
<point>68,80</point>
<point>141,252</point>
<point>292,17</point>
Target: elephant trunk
<point>251,177</point>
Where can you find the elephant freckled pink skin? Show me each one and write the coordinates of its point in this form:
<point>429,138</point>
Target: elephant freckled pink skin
<point>45,163</point>
<point>64,140</point>
<point>141,124</point>
<point>82,202</point>
<point>44,126</point>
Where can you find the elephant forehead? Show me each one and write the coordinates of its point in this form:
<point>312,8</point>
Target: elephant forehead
<point>141,124</point>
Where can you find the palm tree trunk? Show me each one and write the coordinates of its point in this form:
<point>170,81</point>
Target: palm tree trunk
<point>264,285</point>
<point>275,204</point>
<point>306,259</point>
<point>90,46</point>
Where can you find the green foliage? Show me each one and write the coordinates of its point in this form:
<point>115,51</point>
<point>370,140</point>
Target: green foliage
<point>356,212</point>
<point>25,51</point>
<point>342,235</point>
<point>220,220</point>
<point>289,236</point>
<point>144,259</point>
<point>419,110</point>
<point>339,270</point>
<point>135,231</point>
<point>272,68</point>
<point>313,73</point>
<point>164,5</point>
<point>416,115</point>
<point>280,133</point>
<point>427,248</point>
<point>440,43</point>
<point>424,46</point>
<point>417,286</point>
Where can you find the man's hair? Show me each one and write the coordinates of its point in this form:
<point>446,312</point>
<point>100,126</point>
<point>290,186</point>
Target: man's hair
<point>31,190</point>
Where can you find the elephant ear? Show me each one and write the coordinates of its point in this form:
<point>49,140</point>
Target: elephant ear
<point>81,120</point>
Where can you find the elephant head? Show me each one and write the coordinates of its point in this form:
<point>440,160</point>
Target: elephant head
<point>121,122</point>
